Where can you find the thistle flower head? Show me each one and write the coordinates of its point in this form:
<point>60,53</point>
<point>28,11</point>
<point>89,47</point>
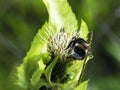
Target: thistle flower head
<point>59,42</point>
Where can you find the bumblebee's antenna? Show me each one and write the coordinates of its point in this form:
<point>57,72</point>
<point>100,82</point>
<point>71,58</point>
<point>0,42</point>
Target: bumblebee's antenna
<point>85,60</point>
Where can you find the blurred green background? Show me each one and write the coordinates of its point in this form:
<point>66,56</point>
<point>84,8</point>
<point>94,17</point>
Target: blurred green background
<point>20,20</point>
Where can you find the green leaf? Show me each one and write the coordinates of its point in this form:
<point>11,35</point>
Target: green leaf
<point>49,69</point>
<point>83,86</point>
<point>84,30</point>
<point>60,14</point>
<point>42,82</point>
<point>36,76</point>
<point>22,79</point>
<point>76,70</point>
<point>39,44</point>
<point>38,47</point>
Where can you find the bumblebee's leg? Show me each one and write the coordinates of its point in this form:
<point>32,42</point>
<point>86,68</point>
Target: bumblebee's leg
<point>90,37</point>
<point>85,60</point>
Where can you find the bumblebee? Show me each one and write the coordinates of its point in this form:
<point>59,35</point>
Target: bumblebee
<point>79,48</point>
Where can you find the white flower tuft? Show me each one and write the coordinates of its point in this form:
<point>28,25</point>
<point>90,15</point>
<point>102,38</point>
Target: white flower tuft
<point>58,43</point>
